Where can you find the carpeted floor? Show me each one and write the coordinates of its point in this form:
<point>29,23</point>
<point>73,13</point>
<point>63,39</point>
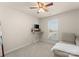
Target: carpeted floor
<point>39,49</point>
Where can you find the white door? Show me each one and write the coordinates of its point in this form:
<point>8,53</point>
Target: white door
<point>0,42</point>
<point>0,48</point>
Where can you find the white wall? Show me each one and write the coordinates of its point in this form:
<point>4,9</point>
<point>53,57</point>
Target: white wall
<point>16,27</point>
<point>68,22</point>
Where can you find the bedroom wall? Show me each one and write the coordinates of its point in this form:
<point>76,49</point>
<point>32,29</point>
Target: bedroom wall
<point>68,22</point>
<point>16,28</point>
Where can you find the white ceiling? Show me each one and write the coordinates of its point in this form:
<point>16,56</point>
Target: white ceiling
<point>57,8</point>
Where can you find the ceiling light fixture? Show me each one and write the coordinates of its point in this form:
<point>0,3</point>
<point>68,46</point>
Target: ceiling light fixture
<point>41,10</point>
<point>42,7</point>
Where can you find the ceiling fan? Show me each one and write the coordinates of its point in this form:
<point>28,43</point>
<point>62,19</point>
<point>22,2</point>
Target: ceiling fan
<point>41,7</point>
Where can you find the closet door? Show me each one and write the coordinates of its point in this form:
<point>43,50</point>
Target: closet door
<point>0,49</point>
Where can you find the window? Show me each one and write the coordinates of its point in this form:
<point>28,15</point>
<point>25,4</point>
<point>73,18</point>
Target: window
<point>53,30</point>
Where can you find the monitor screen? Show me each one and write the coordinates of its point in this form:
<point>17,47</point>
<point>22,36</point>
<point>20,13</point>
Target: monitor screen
<point>36,25</point>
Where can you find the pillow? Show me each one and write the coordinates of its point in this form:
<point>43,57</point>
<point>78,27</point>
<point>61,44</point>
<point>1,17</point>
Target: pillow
<point>68,38</point>
<point>77,40</point>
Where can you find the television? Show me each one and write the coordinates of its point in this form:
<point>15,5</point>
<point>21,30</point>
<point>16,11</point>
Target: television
<point>36,26</point>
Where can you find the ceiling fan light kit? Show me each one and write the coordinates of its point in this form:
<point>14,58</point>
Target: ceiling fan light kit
<point>41,10</point>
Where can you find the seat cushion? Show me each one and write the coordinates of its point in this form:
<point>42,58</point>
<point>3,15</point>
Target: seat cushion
<point>68,38</point>
<point>67,48</point>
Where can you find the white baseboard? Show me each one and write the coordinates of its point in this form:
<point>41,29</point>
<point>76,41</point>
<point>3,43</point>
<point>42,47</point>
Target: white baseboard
<point>6,52</point>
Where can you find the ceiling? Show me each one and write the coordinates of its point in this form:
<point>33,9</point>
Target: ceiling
<point>57,8</point>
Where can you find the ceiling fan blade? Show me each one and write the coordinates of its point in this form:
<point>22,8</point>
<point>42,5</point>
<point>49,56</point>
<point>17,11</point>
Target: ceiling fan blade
<point>50,4</point>
<point>45,10</point>
<point>40,4</point>
<point>33,7</point>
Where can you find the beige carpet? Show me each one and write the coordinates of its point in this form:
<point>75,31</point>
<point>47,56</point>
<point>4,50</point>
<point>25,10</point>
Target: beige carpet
<point>39,49</point>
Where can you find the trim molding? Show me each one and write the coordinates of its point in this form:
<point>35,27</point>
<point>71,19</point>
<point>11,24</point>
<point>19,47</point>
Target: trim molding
<point>11,50</point>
